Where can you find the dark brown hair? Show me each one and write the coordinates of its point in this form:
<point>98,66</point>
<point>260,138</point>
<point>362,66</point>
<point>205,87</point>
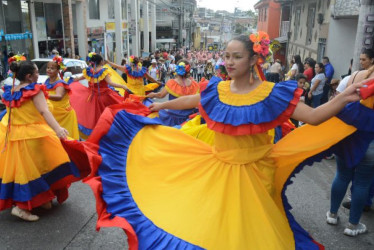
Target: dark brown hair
<point>21,69</point>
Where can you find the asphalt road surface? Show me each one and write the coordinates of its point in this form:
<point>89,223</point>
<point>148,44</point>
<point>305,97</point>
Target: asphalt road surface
<point>72,224</point>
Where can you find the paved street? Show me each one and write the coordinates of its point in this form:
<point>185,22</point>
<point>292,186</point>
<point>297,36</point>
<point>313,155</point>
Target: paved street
<point>72,225</point>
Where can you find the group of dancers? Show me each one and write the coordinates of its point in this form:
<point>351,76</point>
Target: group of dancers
<point>197,171</point>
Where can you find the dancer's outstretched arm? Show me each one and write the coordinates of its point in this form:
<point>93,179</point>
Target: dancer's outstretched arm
<point>184,102</point>
<point>160,94</point>
<point>60,93</point>
<point>315,116</point>
<point>115,85</point>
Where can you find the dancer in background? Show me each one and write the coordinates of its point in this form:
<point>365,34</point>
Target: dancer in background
<point>182,85</point>
<point>90,102</point>
<point>34,167</point>
<point>58,94</point>
<point>135,74</point>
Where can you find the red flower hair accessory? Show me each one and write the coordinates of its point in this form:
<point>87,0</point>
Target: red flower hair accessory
<point>59,61</point>
<point>261,43</point>
<point>16,58</point>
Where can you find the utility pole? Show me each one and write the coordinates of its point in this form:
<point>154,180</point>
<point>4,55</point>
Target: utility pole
<point>364,38</point>
<point>146,26</point>
<point>180,39</point>
<point>134,29</point>
<point>153,28</point>
<point>119,41</point>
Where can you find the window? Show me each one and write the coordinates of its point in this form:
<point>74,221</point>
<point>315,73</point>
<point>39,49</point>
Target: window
<point>124,9</point>
<point>94,9</point>
<point>297,23</point>
<point>265,14</point>
<point>111,9</point>
<point>310,23</point>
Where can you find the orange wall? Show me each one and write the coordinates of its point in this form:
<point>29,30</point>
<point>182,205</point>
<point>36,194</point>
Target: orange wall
<point>272,23</point>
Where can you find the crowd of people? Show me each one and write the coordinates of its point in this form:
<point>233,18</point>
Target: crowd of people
<point>162,65</point>
<point>208,154</point>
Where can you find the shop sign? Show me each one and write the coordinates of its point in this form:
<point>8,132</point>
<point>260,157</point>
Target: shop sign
<point>110,27</point>
<point>15,36</point>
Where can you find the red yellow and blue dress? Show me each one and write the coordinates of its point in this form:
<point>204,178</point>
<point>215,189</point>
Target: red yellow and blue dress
<point>182,193</point>
<point>62,111</point>
<point>34,167</point>
<point>89,103</point>
<point>176,117</point>
<point>135,80</point>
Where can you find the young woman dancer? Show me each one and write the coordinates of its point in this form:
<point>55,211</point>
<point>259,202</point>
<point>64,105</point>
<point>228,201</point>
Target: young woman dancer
<point>90,102</point>
<point>58,94</point>
<point>135,75</point>
<point>182,85</point>
<point>34,167</point>
<point>180,192</point>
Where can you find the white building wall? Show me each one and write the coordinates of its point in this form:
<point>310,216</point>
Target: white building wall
<point>298,46</point>
<point>91,23</point>
<point>340,44</point>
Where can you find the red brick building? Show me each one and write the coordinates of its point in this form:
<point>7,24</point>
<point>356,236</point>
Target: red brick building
<point>273,18</point>
<point>269,13</point>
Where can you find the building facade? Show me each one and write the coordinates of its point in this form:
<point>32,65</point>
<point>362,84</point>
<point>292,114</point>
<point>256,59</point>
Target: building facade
<point>35,28</point>
<point>269,13</point>
<point>321,28</point>
<point>274,18</point>
<point>175,26</point>
<point>72,27</point>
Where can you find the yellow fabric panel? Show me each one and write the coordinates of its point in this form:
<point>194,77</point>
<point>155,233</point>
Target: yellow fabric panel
<point>151,86</point>
<point>153,115</point>
<point>32,147</point>
<point>369,102</point>
<point>26,114</point>
<point>25,160</point>
<point>199,131</point>
<point>65,115</point>
<point>116,78</point>
<point>235,211</point>
<point>303,143</point>
<point>271,133</point>
<point>26,122</point>
<point>255,96</point>
<point>136,85</point>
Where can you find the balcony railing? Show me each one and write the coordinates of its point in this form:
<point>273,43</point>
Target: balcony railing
<point>285,27</point>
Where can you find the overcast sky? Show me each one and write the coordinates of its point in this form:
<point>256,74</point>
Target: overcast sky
<point>228,5</point>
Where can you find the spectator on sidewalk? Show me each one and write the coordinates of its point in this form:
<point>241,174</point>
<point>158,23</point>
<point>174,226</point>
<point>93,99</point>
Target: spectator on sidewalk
<point>317,85</point>
<point>275,71</point>
<point>329,73</point>
<point>309,69</point>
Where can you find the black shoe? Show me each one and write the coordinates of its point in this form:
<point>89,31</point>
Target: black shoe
<point>347,205</point>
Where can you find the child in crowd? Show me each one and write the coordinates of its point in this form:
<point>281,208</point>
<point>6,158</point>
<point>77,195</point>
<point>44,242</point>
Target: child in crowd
<point>333,86</point>
<point>301,83</point>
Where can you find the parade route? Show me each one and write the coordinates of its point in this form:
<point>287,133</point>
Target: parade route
<point>72,225</point>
